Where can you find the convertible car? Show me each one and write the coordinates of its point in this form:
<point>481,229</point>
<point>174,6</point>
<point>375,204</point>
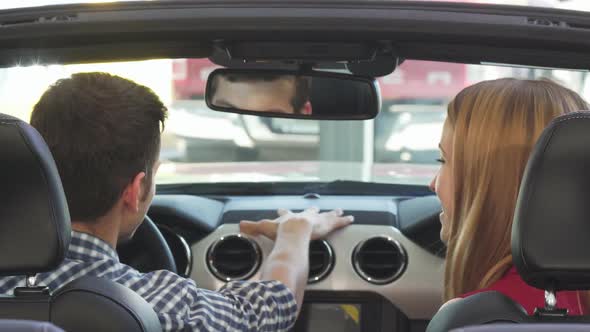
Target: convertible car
<point>384,272</point>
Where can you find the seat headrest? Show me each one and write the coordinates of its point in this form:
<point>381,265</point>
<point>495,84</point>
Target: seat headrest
<point>34,218</point>
<point>551,229</point>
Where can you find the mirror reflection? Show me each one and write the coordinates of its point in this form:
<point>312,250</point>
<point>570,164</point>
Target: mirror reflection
<point>286,94</point>
<point>272,93</point>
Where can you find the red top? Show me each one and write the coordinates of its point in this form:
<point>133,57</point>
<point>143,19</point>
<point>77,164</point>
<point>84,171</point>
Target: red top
<point>512,285</point>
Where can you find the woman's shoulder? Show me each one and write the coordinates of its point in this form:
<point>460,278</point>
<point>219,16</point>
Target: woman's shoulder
<point>512,285</point>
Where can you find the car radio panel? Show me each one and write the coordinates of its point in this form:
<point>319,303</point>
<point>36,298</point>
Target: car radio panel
<point>349,312</point>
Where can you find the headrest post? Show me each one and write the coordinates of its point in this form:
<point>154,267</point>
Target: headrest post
<point>550,300</point>
<point>551,309</point>
<point>31,281</point>
<point>31,288</point>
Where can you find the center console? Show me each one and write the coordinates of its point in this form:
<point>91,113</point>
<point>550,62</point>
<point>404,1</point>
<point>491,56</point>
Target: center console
<point>352,312</point>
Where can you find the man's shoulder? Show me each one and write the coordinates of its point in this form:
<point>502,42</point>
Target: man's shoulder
<point>166,275</point>
<point>135,279</point>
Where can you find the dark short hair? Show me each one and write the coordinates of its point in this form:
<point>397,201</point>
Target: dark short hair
<point>302,86</point>
<point>102,131</point>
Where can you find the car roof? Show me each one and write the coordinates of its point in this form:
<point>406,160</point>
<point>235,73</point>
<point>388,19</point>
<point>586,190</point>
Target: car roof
<point>438,31</point>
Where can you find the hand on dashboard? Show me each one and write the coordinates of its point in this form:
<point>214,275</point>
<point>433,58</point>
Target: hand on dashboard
<point>321,224</point>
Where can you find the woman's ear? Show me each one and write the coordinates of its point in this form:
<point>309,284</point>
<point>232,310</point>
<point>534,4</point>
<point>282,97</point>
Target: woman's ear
<point>134,192</point>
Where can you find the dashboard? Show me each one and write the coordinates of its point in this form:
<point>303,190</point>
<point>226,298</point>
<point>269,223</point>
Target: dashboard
<point>382,273</point>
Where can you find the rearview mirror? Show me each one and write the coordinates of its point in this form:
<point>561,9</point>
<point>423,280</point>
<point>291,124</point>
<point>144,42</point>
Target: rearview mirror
<point>287,94</point>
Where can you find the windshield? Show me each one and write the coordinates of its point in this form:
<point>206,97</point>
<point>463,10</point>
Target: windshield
<point>204,146</point>
<point>583,5</point>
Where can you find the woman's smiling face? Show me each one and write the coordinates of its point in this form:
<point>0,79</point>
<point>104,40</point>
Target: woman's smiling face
<point>442,184</point>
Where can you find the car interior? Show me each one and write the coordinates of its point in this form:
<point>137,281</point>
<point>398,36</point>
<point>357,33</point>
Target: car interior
<point>382,73</point>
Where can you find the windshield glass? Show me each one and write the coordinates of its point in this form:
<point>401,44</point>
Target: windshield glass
<point>200,145</point>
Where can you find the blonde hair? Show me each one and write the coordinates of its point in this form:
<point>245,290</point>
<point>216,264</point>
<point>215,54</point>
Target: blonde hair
<point>495,124</point>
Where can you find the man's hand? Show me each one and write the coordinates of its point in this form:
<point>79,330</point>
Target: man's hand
<point>321,224</point>
<point>288,262</point>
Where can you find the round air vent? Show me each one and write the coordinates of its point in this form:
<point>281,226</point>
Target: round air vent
<point>321,260</point>
<point>234,257</point>
<point>379,260</point>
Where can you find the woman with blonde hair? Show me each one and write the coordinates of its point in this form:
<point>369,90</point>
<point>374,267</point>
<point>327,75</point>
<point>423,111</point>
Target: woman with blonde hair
<point>489,133</point>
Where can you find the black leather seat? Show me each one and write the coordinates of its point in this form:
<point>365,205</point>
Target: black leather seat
<point>550,234</point>
<point>525,328</point>
<point>34,236</point>
<point>10,325</point>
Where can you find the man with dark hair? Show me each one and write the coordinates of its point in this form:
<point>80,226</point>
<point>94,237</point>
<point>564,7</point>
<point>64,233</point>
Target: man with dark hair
<point>102,130</point>
<point>288,94</point>
<point>104,134</point>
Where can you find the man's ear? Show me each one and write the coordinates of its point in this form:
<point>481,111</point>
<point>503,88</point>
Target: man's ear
<point>133,192</point>
<point>307,108</point>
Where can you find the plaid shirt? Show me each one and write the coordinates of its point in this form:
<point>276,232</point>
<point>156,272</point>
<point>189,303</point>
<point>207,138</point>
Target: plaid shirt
<point>179,304</point>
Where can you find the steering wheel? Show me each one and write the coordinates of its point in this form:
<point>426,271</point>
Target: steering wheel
<point>148,250</point>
